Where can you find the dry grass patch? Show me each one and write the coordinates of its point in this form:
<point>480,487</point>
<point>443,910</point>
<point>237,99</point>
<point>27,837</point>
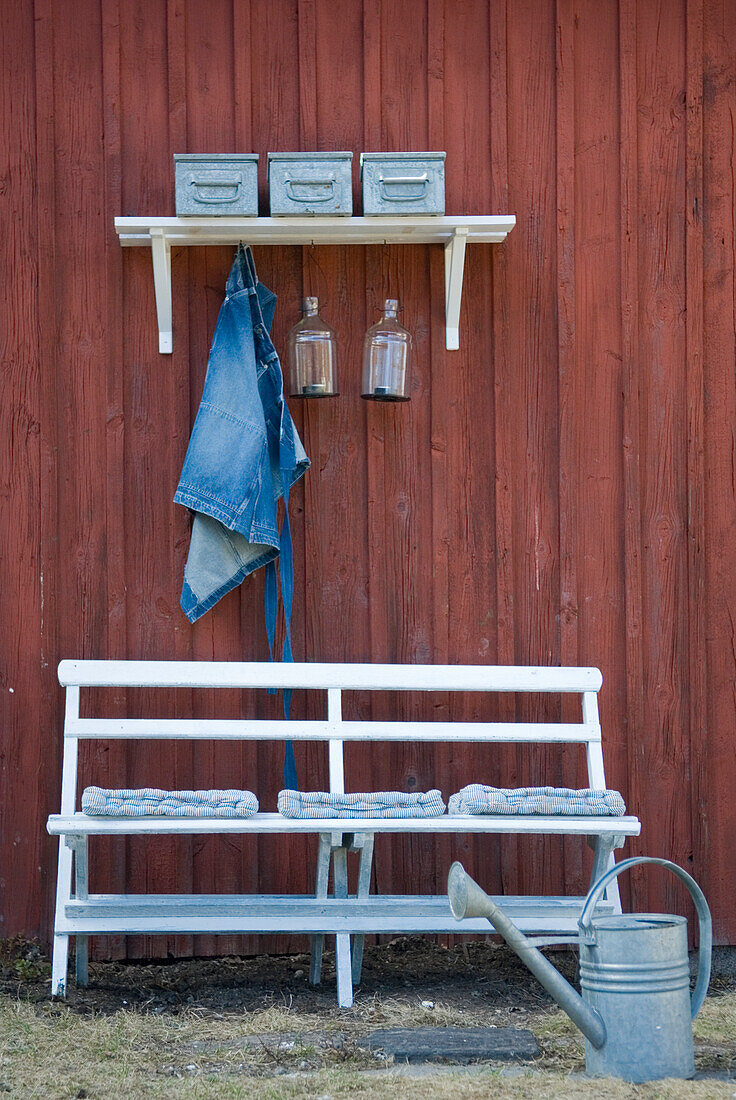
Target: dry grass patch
<point>50,1051</point>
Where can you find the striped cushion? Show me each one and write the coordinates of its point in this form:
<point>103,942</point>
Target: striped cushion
<point>318,804</point>
<point>152,802</point>
<point>547,801</point>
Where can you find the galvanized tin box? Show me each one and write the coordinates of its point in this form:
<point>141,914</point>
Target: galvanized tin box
<point>403,183</point>
<point>219,184</point>
<point>310,184</point>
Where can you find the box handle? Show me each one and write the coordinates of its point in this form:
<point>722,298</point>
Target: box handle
<point>236,183</point>
<point>322,181</point>
<point>402,181</point>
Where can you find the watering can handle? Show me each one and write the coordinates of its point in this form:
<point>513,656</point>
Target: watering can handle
<point>701,905</point>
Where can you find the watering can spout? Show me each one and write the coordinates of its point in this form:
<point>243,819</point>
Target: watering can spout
<point>468,900</point>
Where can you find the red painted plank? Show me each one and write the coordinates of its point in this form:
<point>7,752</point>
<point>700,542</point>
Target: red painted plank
<point>50,694</point>
<point>696,473</point>
<point>590,436</point>
<point>631,419</point>
<point>713,737</point>
<point>22,787</point>
<point>531,34</point>
<point>664,753</point>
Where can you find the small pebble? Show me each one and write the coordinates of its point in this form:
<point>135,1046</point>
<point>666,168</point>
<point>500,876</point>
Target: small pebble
<point>298,973</point>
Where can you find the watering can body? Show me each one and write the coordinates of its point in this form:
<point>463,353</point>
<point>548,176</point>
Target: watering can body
<point>637,978</point>
<point>636,1010</point>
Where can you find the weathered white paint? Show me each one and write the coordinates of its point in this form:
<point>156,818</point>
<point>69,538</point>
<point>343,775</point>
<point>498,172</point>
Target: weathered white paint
<point>348,677</point>
<point>275,823</point>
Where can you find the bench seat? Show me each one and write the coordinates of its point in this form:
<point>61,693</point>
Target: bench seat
<point>82,824</point>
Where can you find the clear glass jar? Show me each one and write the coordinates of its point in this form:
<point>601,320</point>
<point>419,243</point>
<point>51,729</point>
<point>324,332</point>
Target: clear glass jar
<point>312,355</point>
<point>386,355</point>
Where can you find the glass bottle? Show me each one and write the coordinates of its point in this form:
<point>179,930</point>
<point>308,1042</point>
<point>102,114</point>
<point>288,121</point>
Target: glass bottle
<point>312,355</point>
<point>386,355</point>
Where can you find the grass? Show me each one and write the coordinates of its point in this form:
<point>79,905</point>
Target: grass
<point>48,1050</point>
<point>254,1028</point>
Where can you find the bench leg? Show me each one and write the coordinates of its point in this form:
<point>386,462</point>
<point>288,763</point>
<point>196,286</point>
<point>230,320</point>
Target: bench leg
<point>342,940</point>
<point>603,860</point>
<point>364,887</point>
<point>320,891</point>
<point>81,890</point>
<point>60,958</point>
<point>59,963</point>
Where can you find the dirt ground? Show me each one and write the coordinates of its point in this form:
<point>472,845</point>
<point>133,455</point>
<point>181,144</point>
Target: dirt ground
<point>232,1027</point>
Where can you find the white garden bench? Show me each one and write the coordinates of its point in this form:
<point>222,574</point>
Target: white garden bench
<point>81,914</point>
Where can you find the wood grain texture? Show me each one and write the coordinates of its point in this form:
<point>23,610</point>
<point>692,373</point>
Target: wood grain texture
<point>560,490</point>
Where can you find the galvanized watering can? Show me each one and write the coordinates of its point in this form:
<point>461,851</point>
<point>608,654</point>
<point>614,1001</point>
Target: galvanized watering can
<point>636,1009</point>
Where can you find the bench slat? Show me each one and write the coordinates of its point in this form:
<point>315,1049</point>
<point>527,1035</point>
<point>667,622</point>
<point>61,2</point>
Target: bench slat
<point>349,677</point>
<point>81,824</point>
<point>267,730</point>
<point>306,915</point>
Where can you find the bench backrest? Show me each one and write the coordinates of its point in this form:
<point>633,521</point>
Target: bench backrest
<point>334,679</point>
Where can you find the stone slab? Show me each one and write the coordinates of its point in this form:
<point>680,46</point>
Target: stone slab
<point>454,1044</point>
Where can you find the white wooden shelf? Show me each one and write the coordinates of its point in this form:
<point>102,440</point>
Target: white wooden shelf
<point>453,232</point>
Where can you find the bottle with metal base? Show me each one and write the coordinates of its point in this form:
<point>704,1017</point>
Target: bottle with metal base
<point>312,355</point>
<point>386,358</point>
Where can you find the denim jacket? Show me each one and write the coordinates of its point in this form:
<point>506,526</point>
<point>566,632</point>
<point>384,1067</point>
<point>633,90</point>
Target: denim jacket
<point>244,453</point>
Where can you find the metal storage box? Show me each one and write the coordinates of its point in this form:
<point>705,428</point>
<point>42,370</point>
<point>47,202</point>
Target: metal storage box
<point>219,184</point>
<point>310,184</point>
<point>403,183</point>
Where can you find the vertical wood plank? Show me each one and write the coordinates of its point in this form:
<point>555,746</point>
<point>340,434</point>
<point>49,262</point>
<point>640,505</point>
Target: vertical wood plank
<point>594,465</point>
<point>176,414</point>
<point>696,475</point>
<point>374,419</point>
<point>714,755</point>
<point>440,366</point>
<point>78,323</point>
<point>22,794</point>
<point>275,74</point>
<point>251,632</point>
<point>534,445</point>
<point>504,383</point>
<point>661,139</point>
<point>109,761</point>
<point>210,124</point>
<point>153,431</point>
<point>50,695</point>
<point>569,384</point>
<point>631,427</point>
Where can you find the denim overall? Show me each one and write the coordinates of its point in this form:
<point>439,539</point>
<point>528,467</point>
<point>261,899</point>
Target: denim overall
<point>244,453</point>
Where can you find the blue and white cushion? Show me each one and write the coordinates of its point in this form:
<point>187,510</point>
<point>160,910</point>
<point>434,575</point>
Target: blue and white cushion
<point>319,804</point>
<point>152,802</point>
<point>545,801</point>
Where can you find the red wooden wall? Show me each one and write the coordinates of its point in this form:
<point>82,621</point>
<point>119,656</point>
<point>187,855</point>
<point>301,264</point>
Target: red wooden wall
<point>561,490</point>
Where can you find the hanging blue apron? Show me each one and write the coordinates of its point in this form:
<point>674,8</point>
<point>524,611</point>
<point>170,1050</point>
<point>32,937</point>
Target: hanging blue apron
<point>244,453</point>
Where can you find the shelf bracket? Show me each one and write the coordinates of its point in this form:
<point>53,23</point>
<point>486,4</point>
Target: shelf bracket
<point>454,267</point>
<point>161,253</point>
